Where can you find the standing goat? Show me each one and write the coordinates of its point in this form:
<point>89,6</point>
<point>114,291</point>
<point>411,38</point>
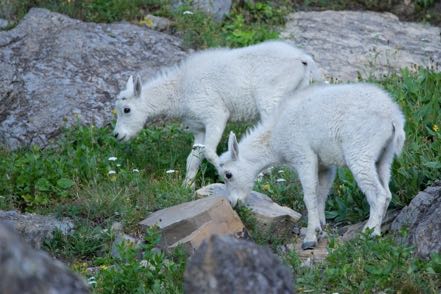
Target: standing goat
<point>212,87</point>
<point>315,130</point>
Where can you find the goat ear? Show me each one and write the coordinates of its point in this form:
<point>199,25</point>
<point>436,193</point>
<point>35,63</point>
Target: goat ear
<point>233,146</point>
<point>129,85</point>
<point>138,87</point>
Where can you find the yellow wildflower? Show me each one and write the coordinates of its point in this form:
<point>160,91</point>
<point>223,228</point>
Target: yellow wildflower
<point>146,21</point>
<point>435,128</point>
<point>266,187</point>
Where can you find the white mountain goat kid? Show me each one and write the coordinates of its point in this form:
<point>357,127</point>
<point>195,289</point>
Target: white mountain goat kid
<point>315,130</point>
<point>212,87</point>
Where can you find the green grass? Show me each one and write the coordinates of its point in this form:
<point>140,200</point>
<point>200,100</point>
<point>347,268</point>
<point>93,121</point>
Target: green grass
<point>368,265</point>
<point>72,178</point>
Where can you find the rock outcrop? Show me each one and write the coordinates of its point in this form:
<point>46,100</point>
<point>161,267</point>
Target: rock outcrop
<point>349,44</point>
<point>57,71</point>
<point>421,220</point>
<point>26,270</point>
<point>224,264</point>
<point>35,229</point>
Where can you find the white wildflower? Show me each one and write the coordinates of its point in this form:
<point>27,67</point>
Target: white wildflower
<point>112,172</point>
<point>144,263</point>
<point>280,180</point>
<point>118,165</point>
<point>112,158</point>
<point>135,170</point>
<point>170,171</point>
<point>281,171</point>
<point>91,281</point>
<point>187,12</point>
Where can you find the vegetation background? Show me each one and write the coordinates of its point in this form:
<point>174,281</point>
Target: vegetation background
<point>96,181</point>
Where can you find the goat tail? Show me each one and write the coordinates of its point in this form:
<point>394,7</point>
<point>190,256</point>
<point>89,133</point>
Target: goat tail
<point>399,135</point>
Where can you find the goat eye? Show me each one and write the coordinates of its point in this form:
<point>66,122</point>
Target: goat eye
<point>228,175</point>
<point>126,110</point>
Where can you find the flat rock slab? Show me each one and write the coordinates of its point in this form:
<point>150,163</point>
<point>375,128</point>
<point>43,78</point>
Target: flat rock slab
<point>190,223</point>
<point>35,229</point>
<point>57,71</point>
<point>270,216</point>
<point>349,44</point>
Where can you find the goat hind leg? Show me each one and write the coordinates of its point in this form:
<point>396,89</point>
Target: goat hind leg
<point>365,173</point>
<point>326,179</point>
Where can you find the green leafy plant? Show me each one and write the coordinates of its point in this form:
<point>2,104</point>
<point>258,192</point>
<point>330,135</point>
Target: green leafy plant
<point>367,265</point>
<point>154,273</point>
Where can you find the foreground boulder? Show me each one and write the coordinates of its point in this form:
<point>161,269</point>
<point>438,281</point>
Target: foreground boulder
<point>35,229</point>
<point>25,270</point>
<point>190,223</point>
<point>57,71</point>
<point>270,217</point>
<point>349,44</point>
<point>226,265</point>
<point>421,220</point>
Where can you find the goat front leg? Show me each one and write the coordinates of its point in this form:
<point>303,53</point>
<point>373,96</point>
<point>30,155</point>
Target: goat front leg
<point>213,135</point>
<point>308,175</point>
<point>194,159</point>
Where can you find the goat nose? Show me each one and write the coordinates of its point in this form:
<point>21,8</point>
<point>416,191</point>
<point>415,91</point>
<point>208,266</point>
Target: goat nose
<point>116,135</point>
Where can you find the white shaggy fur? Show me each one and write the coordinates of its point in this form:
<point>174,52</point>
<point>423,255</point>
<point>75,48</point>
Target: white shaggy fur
<point>215,86</point>
<point>315,130</point>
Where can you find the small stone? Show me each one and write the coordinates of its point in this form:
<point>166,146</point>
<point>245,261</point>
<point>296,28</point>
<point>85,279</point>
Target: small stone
<point>217,9</point>
<point>3,23</point>
<point>157,23</point>
<point>121,238</point>
<point>190,223</point>
<point>223,264</point>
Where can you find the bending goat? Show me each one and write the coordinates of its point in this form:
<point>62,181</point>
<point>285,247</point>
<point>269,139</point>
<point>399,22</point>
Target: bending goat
<point>317,129</point>
<point>212,87</point>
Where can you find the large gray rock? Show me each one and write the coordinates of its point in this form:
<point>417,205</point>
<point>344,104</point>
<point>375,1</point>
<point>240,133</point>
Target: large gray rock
<point>226,265</point>
<point>422,221</point>
<point>56,71</point>
<point>347,44</point>
<point>216,8</point>
<point>189,224</point>
<point>35,229</point>
<point>25,270</point>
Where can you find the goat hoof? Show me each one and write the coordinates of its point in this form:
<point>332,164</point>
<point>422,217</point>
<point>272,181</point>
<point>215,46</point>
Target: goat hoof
<point>308,245</point>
